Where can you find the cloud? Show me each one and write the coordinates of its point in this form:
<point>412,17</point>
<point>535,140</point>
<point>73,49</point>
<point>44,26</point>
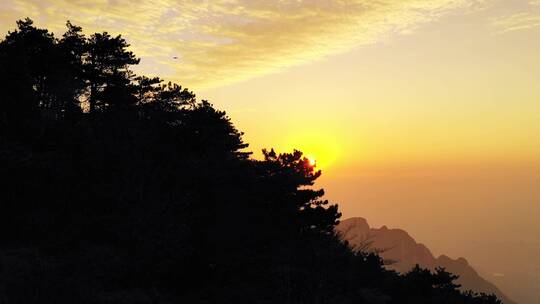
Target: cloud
<point>220,42</point>
<point>516,22</point>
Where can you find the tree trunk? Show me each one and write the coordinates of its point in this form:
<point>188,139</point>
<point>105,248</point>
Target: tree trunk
<point>92,99</point>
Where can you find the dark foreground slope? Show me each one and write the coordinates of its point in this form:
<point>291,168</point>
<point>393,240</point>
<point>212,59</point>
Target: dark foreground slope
<point>120,189</point>
<point>404,253</point>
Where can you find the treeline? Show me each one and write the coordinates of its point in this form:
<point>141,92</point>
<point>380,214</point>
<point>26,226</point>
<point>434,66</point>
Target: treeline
<point>118,188</point>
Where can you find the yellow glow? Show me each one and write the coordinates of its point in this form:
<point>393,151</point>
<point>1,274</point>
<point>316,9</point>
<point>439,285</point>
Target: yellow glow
<point>321,149</point>
<point>312,161</point>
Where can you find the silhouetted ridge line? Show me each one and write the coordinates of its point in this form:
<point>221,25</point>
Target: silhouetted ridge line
<point>397,246</point>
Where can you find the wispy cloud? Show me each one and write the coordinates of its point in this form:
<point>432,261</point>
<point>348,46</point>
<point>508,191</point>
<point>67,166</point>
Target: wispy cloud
<point>516,22</point>
<point>219,42</point>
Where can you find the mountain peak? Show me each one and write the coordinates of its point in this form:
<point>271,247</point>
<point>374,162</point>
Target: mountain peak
<point>459,261</point>
<point>356,221</point>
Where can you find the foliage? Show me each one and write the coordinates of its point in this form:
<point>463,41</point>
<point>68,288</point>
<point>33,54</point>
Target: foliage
<point>118,188</point>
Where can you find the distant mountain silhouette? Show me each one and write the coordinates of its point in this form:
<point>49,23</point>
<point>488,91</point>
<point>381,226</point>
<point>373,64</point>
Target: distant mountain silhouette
<point>402,253</point>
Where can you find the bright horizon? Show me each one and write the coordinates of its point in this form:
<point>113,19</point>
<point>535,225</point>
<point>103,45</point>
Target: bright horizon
<point>423,115</point>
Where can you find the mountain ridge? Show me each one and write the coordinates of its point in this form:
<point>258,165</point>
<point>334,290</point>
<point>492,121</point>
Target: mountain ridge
<point>401,252</point>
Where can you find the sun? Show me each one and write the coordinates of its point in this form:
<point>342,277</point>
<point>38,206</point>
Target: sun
<point>312,161</point>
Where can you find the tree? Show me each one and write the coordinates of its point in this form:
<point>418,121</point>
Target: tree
<point>107,72</point>
<point>292,172</point>
<point>73,47</point>
<point>39,78</point>
<point>146,89</point>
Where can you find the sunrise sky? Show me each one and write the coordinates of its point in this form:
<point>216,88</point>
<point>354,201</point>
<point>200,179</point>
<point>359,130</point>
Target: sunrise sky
<point>422,114</point>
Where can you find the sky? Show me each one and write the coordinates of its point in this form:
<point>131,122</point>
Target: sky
<point>422,114</point>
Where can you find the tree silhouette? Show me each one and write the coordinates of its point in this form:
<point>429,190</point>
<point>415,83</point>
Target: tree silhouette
<point>106,69</point>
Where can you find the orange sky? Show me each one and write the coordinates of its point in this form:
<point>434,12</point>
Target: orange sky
<point>423,114</point>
